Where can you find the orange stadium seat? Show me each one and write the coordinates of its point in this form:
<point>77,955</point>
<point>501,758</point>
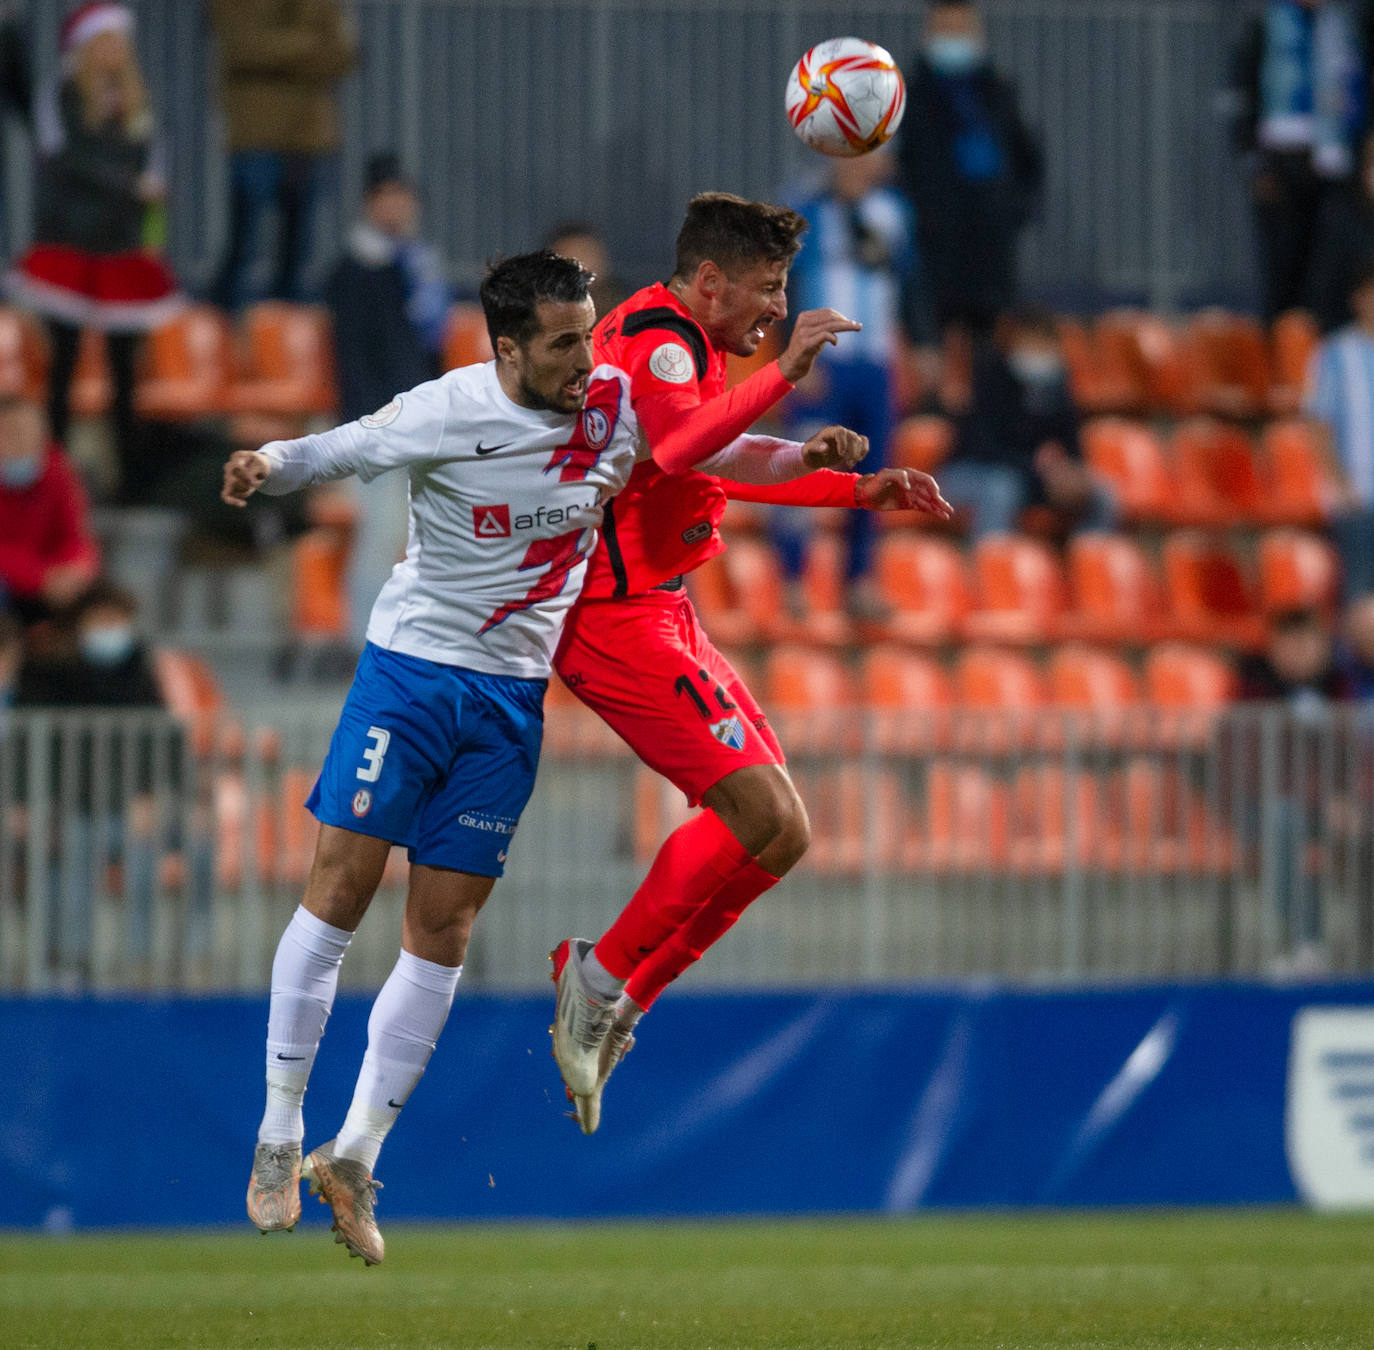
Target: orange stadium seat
<point>1292,340</point>
<point>994,677</point>
<point>1020,591</point>
<point>286,361</point>
<point>966,821</point>
<point>466,341</point>
<point>1055,820</point>
<point>188,365</point>
<point>921,443</point>
<point>191,692</point>
<point>924,581</point>
<point>1298,570</point>
<point>319,600</point>
<point>1145,346</point>
<point>1116,594</point>
<point>1178,675</point>
<point>1229,363</point>
<point>1210,594</point>
<point>1218,479</point>
<point>23,354</point>
<point>1089,678</point>
<point>823,584</point>
<point>1129,457</point>
<point>1298,477</point>
<point>908,696</point>
<point>1101,380</point>
<point>756,590</point>
<point>91,389</point>
<point>809,692</point>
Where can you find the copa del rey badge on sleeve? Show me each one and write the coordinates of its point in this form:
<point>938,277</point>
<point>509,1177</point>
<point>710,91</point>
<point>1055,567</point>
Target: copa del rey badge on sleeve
<point>1330,1113</point>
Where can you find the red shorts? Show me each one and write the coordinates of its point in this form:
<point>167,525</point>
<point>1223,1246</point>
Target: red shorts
<point>646,668</point>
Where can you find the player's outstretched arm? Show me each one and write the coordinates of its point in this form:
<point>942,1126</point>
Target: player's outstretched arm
<point>813,330</point>
<point>245,471</point>
<point>834,448</point>
<point>902,490</point>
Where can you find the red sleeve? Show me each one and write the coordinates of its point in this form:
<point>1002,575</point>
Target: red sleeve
<point>682,430</point>
<point>70,539</point>
<point>20,570</point>
<point>822,487</point>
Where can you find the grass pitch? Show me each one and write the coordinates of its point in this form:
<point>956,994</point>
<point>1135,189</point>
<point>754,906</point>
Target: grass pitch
<point>1252,1279</point>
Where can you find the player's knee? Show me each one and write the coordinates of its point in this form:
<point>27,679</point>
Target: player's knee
<point>780,818</point>
<point>338,896</point>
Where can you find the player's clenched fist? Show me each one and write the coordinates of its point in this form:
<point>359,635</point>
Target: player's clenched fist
<point>813,329</point>
<point>245,472</point>
<point>834,448</point>
<point>902,490</point>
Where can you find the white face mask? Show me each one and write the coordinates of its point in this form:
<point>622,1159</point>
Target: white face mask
<point>108,646</point>
<point>1036,367</point>
<point>22,473</point>
<point>953,55</point>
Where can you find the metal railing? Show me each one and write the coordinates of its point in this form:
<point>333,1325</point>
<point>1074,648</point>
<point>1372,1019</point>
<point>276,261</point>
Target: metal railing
<point>139,852</point>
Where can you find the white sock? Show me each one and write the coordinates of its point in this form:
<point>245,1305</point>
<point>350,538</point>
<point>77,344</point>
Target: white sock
<point>406,1020</point>
<point>599,980</point>
<point>305,974</point>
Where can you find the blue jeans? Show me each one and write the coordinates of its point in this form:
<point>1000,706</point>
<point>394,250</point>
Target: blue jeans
<point>1355,542</point>
<point>992,495</point>
<point>858,395</point>
<point>260,180</point>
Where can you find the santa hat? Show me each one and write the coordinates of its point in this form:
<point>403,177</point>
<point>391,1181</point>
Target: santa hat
<point>87,21</point>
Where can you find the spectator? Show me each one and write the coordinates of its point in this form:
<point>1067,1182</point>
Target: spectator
<point>1017,445</point>
<point>1288,771</point>
<point>971,167</point>
<point>1359,647</point>
<point>279,65</point>
<point>109,814</point>
<point>1345,244</point>
<point>1299,98</point>
<point>99,172</point>
<point>1340,401</point>
<point>390,302</point>
<point>584,242</point>
<point>858,257</point>
<point>48,554</point>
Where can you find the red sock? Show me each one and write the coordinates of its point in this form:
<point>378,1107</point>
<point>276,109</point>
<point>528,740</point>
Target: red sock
<point>690,868</point>
<point>710,923</point>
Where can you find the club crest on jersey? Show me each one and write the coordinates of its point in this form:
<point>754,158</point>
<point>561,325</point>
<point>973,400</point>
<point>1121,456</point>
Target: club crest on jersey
<point>384,416</point>
<point>596,428</point>
<point>491,522</point>
<point>672,364</point>
<point>729,731</point>
<point>362,802</point>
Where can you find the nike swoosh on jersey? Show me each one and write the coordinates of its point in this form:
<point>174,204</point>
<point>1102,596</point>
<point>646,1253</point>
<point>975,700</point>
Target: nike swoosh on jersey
<point>490,449</point>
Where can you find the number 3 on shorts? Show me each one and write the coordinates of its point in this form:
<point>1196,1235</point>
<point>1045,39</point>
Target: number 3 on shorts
<point>371,771</point>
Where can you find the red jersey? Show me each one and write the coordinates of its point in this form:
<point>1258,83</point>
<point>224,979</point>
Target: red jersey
<point>42,526</point>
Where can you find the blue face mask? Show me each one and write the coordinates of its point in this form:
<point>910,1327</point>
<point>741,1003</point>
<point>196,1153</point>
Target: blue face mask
<point>952,55</point>
<point>110,646</point>
<point>22,473</point>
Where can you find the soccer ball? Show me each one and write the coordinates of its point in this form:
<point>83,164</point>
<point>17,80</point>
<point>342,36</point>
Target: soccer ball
<point>845,97</point>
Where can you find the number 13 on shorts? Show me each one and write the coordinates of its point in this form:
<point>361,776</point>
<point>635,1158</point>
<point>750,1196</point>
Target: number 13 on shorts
<point>371,769</point>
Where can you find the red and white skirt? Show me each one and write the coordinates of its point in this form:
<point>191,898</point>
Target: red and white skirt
<point>115,292</point>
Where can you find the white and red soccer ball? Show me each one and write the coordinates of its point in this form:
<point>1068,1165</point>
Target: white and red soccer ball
<point>845,97</point>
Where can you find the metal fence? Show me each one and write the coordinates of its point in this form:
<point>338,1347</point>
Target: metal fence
<point>516,114</point>
<point>139,852</point>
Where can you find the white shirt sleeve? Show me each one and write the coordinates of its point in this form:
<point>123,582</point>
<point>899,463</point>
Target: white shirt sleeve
<point>409,430</point>
<point>756,459</point>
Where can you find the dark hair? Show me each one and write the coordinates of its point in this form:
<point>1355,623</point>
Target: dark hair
<point>1296,619</point>
<point>1362,277</point>
<point>735,233</point>
<point>103,594</point>
<point>384,170</point>
<point>513,288</point>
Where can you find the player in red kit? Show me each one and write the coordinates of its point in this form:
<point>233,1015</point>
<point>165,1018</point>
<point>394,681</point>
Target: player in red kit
<point>632,648</point>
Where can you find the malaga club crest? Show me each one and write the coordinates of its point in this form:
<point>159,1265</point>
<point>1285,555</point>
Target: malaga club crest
<point>729,731</point>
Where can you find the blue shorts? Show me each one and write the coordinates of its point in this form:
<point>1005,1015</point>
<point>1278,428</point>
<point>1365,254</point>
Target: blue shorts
<point>438,758</point>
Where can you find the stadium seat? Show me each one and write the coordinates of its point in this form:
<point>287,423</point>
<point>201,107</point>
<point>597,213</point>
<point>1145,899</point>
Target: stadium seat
<point>713,596</point>
<point>1178,675</point>
<point>188,366</point>
<point>924,581</point>
<point>965,823</point>
<point>1020,591</point>
<point>823,585</point>
<point>190,691</point>
<point>1298,570</point>
<point>1055,820</point>
<point>286,361</point>
<point>907,695</point>
<point>1102,382</point>
<point>1145,346</point>
<point>319,599</point>
<point>1128,456</point>
<point>921,443</point>
<point>1292,341</point>
<point>756,590</point>
<point>91,389</point>
<point>1166,828</point>
<point>1211,597</point>
<point>1218,480</point>
<point>1097,692</point>
<point>1298,480</point>
<point>810,695</point>
<point>1228,361</point>
<point>466,341</point>
<point>23,354</point>
<point>1115,592</point>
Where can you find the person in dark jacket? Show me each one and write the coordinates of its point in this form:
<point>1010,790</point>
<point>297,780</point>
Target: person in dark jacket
<point>99,172</point>
<point>970,166</point>
<point>1018,444</point>
<point>390,301</point>
<point>1299,100</point>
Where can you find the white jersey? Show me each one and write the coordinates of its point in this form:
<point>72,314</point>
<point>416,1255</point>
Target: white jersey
<point>505,503</point>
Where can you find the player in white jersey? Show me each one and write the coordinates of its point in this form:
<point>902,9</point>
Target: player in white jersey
<point>438,741</point>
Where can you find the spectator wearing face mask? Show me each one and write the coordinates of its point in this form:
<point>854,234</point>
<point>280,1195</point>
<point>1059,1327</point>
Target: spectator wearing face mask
<point>1358,647</point>
<point>48,553</point>
<point>970,166</point>
<point>1018,445</point>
